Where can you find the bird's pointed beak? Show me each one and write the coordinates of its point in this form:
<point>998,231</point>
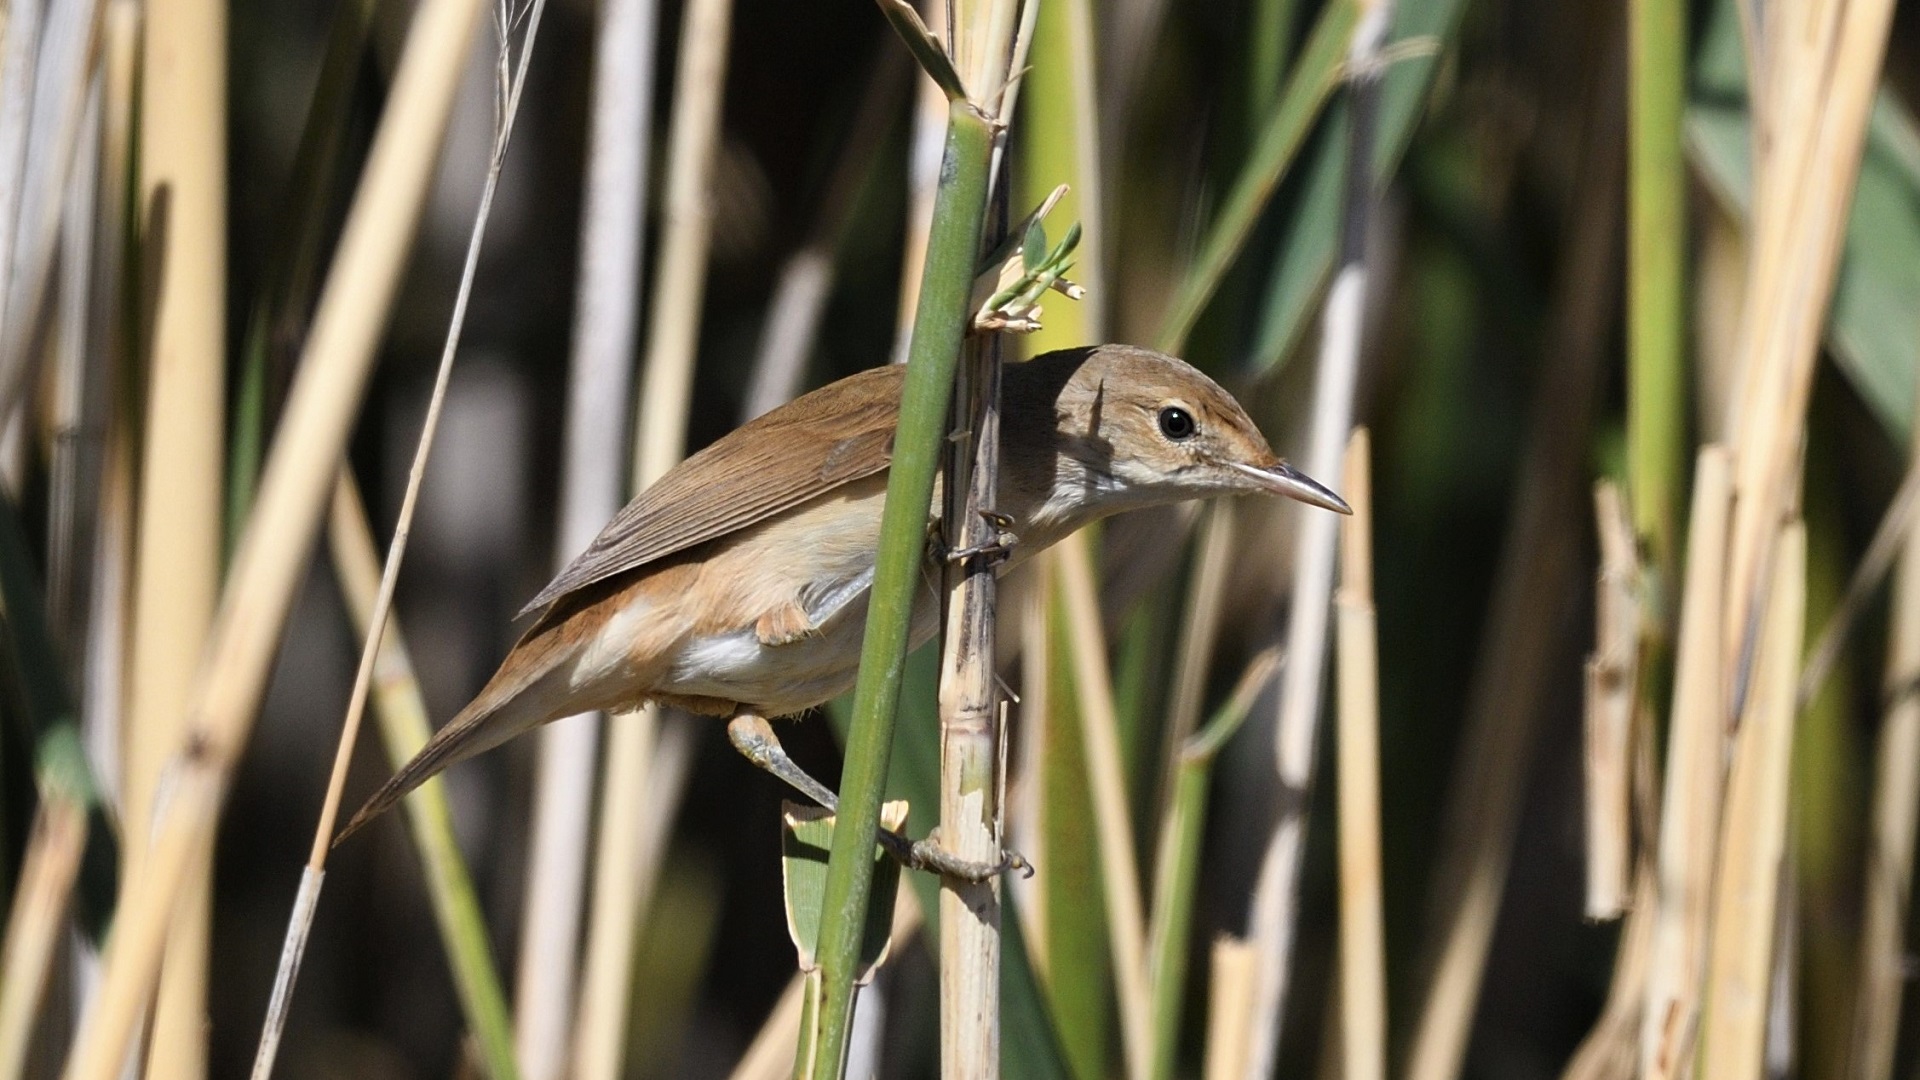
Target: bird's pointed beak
<point>1281,478</point>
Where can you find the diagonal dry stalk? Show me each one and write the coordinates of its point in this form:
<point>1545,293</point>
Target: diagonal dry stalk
<point>271,556</point>
<point>1895,819</point>
<point>313,876</point>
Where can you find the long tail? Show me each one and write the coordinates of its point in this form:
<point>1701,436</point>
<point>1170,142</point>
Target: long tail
<point>510,704</point>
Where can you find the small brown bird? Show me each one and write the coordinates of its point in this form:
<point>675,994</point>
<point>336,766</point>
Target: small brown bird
<point>736,586</point>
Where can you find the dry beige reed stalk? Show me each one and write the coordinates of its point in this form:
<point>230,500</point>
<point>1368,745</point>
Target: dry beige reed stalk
<point>1229,1023</point>
<point>1894,821</point>
<point>1816,70</point>
<point>183,195</point>
<point>1113,823</point>
<point>631,839</point>
<point>1199,632</point>
<point>988,39</point>
<point>600,381</point>
<point>1612,684</point>
<point>1611,1047</point>
<point>37,923</point>
<point>1690,801</point>
<point>1754,832</point>
<point>271,555</point>
<point>1363,947</point>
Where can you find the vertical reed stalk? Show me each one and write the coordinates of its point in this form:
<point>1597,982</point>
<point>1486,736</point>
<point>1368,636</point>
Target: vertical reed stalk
<point>1814,89</point>
<point>1119,869</point>
<point>1363,958</point>
<point>970,721</point>
<point>183,201</point>
<point>1276,898</point>
<point>63,67</point>
<point>1177,875</point>
<point>1060,144</point>
<point>18,53</point>
<point>1690,803</point>
<point>1895,819</point>
<point>268,563</point>
<point>925,151</point>
<point>1656,285</point>
<point>599,390</point>
<point>1754,832</point>
<point>940,322</point>
<point>1612,697</point>
<point>103,672</point>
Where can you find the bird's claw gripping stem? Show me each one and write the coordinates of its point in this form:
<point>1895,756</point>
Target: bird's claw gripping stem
<point>754,738</point>
<point>928,855</point>
<point>995,550</point>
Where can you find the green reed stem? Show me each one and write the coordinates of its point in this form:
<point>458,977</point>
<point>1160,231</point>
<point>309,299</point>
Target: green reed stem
<point>940,323</point>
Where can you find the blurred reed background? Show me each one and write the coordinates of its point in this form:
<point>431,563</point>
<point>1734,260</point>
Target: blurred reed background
<point>1640,401</point>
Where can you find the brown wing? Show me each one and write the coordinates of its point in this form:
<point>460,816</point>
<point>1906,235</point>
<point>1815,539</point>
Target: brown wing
<point>839,433</point>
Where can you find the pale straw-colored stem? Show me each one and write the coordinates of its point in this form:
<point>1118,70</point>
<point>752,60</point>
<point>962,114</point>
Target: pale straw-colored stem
<point>1113,822</point>
<point>1275,910</point>
<point>1363,950</point>
<point>183,195</point>
<point>1612,695</point>
<point>923,181</point>
<point>1611,1046</point>
<point>599,391</point>
<point>1819,81</point>
<point>970,734</point>
<point>1690,801</point>
<point>63,71</point>
<point>1199,631</point>
<point>1740,963</point>
<point>269,562</point>
<point>1235,967</point>
<point>37,923</point>
<point>18,56</point>
<point>1893,823</point>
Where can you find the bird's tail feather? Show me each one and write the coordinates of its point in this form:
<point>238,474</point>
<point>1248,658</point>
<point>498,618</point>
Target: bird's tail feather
<point>489,720</point>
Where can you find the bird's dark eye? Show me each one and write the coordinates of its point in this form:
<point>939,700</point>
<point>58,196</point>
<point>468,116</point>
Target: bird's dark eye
<point>1177,423</point>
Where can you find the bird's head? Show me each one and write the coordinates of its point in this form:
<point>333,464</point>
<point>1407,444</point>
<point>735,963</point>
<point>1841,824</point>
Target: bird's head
<point>1133,427</point>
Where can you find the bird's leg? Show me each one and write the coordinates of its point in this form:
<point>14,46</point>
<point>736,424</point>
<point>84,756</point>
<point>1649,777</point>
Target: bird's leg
<point>996,549</point>
<point>754,738</point>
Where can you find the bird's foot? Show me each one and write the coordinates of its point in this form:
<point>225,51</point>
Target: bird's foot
<point>929,856</point>
<point>997,548</point>
<point>754,738</point>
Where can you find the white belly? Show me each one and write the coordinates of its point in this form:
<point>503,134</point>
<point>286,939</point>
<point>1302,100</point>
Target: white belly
<point>784,679</point>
